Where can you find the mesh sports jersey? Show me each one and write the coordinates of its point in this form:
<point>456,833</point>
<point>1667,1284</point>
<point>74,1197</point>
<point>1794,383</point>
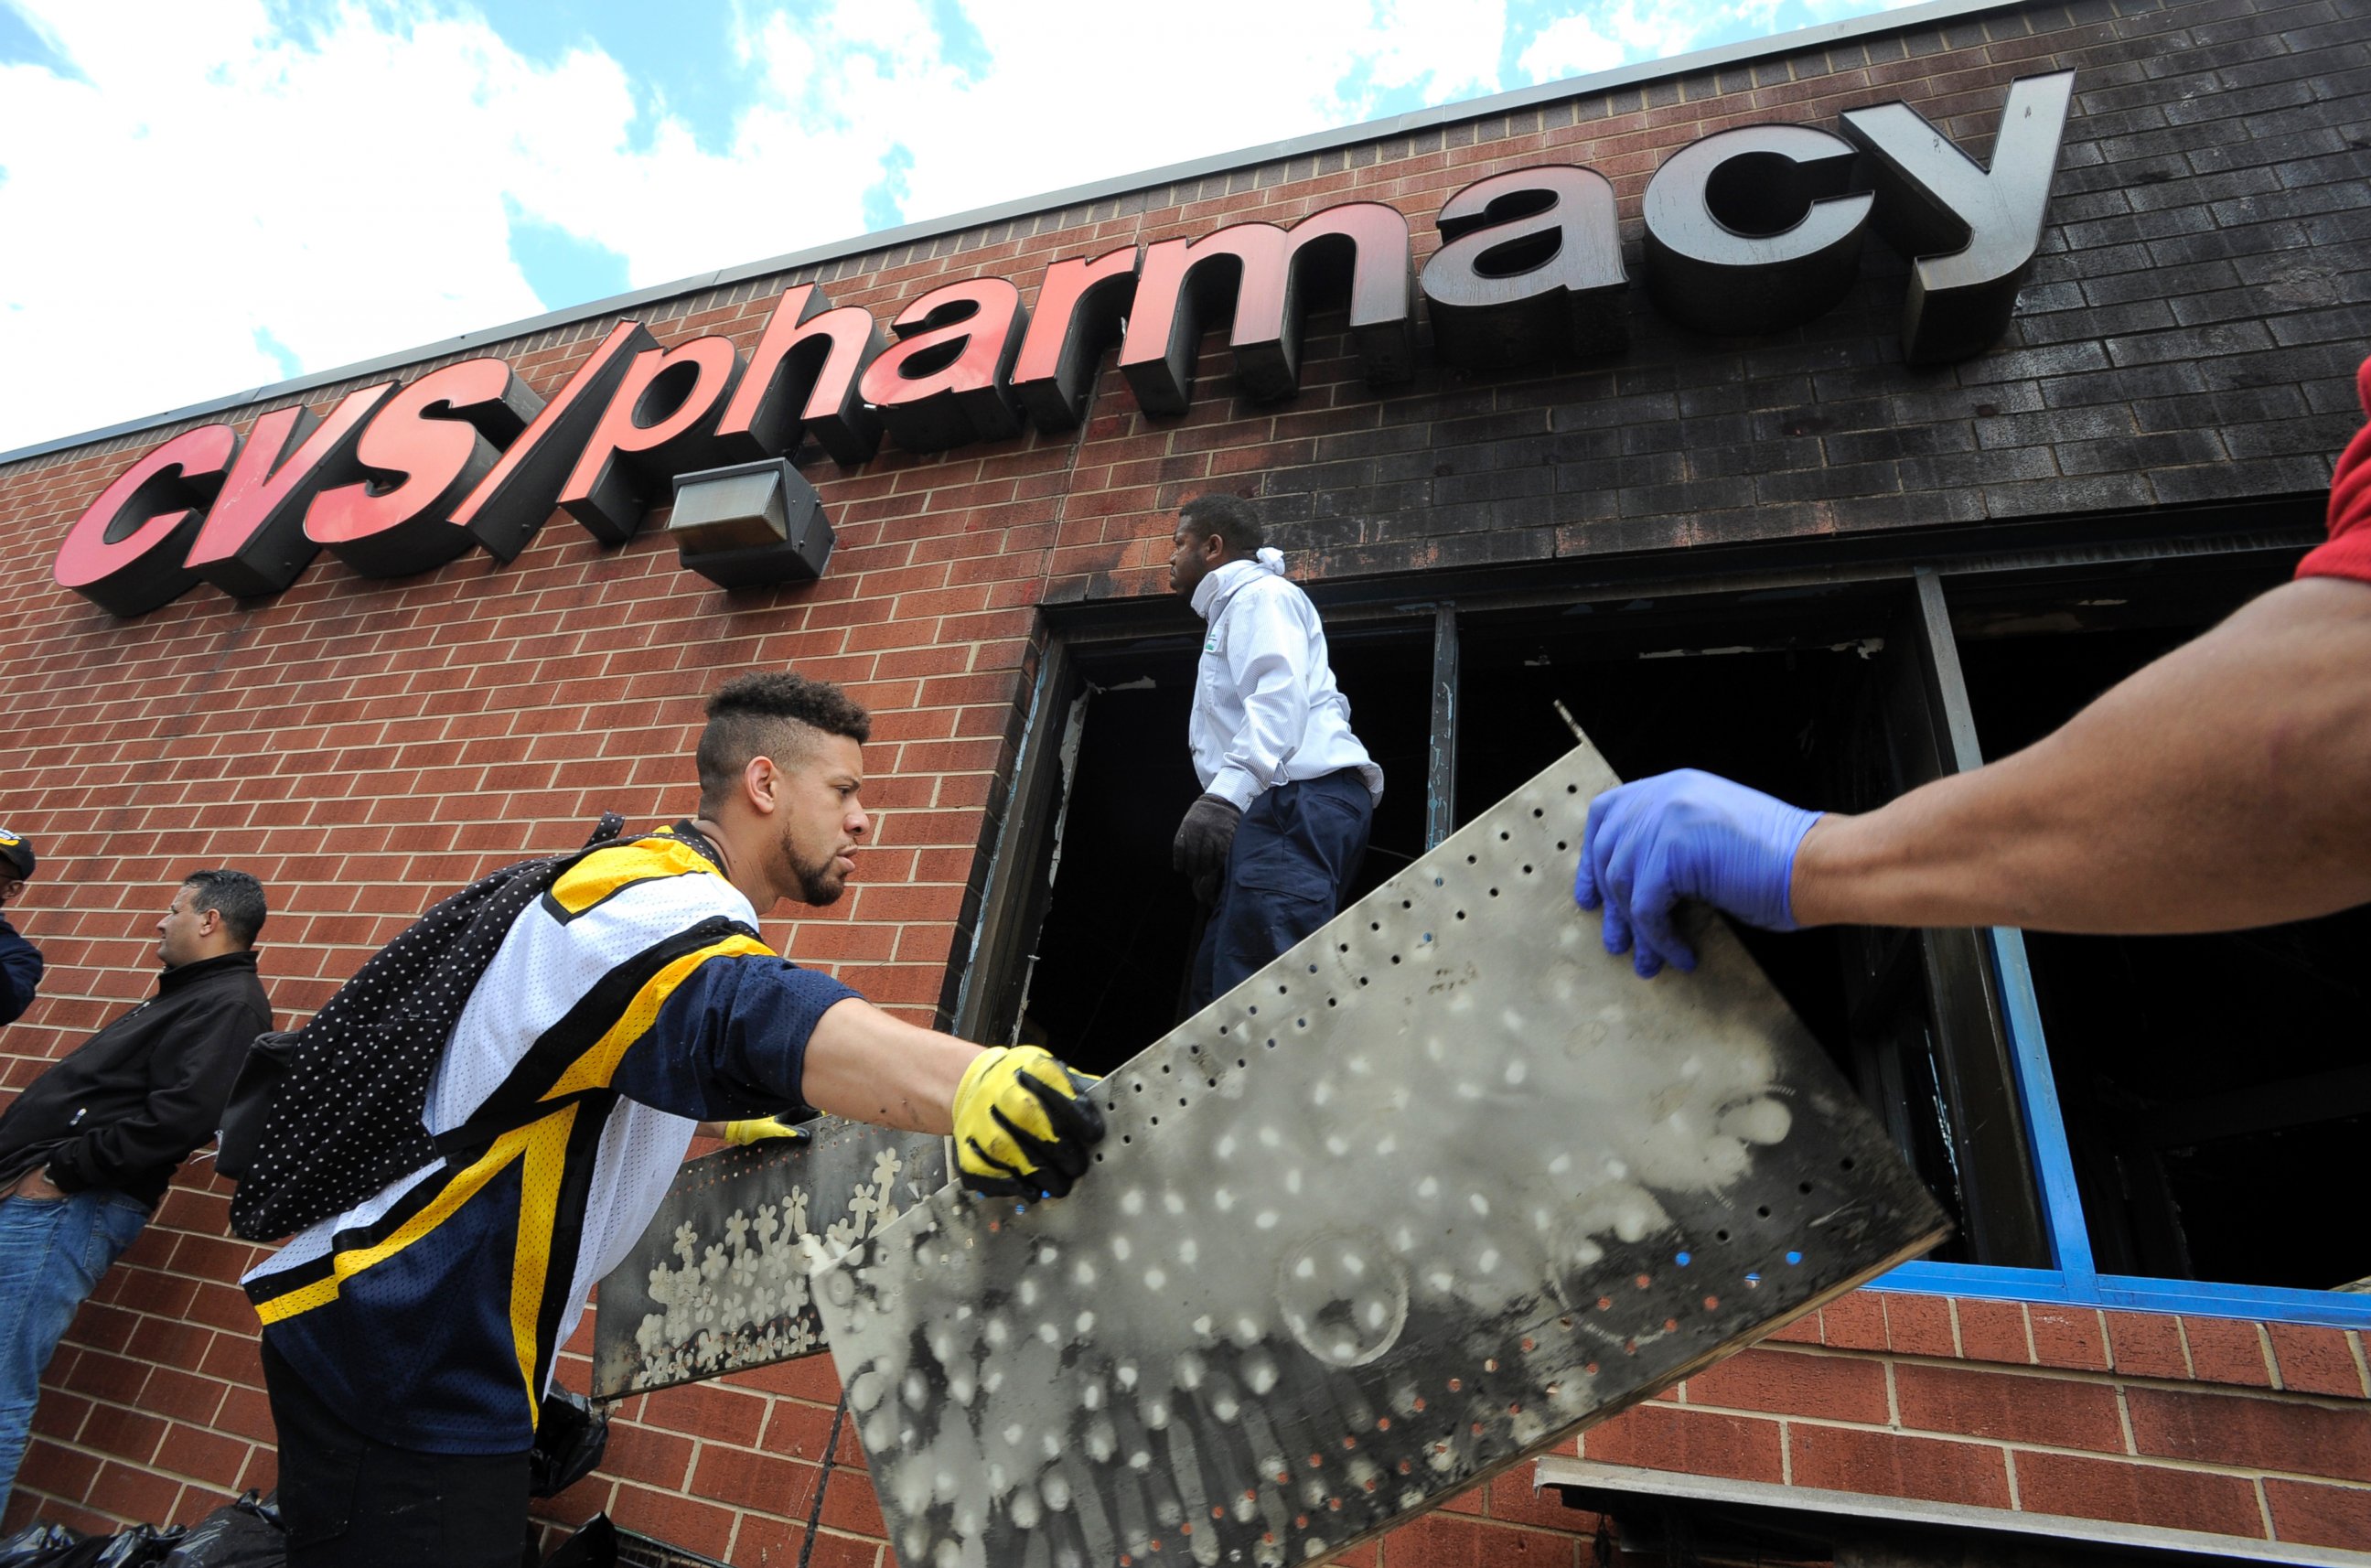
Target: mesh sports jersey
<point>631,1002</point>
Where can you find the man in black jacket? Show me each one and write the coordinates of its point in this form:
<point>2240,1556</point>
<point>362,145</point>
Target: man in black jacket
<point>20,961</point>
<point>87,1149</point>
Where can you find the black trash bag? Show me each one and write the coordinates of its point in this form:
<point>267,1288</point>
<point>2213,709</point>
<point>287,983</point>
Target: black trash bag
<point>570,1436</point>
<point>142,1545</point>
<point>245,1534</point>
<point>38,1546</point>
<point>52,1546</point>
<point>67,1550</point>
<point>593,1546</point>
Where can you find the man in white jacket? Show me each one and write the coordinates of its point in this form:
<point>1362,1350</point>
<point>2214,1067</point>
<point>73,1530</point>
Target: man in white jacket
<point>1289,793</point>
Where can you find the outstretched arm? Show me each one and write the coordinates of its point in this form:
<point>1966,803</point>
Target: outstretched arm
<point>2227,784</point>
<point>1022,1122</point>
<point>745,1033</point>
<point>869,1066</point>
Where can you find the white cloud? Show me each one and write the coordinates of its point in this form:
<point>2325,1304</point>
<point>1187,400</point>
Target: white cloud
<point>1602,34</point>
<point>214,183</point>
<point>1073,97</point>
<point>212,180</point>
<point>1606,35</point>
<point>211,183</point>
<point>1450,47</point>
<point>1570,46</point>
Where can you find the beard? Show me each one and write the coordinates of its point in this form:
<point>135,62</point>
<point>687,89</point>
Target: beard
<point>820,881</point>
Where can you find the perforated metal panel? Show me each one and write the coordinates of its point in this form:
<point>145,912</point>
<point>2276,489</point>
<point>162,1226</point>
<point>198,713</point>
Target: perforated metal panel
<point>1437,1186</point>
<point>718,1281</point>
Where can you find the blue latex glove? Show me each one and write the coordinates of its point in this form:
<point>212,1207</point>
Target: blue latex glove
<point>1685,835</point>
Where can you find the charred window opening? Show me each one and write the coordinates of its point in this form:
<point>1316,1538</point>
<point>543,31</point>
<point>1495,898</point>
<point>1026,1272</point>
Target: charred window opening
<point>1821,701</point>
<point>2216,1089</point>
<point>1119,927</point>
<point>2209,1086</point>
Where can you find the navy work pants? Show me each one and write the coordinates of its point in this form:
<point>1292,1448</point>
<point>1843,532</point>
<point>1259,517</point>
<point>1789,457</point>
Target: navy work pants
<point>1288,874</point>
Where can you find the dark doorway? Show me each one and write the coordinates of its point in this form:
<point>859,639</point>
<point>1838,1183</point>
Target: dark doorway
<point>1120,926</point>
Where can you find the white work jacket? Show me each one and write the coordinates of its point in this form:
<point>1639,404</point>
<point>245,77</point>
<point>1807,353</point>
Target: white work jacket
<point>1266,709</point>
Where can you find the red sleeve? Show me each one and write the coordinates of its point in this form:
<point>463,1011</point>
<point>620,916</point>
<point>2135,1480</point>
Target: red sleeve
<point>2348,553</point>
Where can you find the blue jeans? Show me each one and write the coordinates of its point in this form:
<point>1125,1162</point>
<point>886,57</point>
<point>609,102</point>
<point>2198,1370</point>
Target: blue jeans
<point>52,1253</point>
<point>1286,874</point>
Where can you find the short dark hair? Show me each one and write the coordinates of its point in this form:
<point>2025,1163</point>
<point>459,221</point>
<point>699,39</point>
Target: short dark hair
<point>747,716</point>
<point>1231,517</point>
<point>235,895</point>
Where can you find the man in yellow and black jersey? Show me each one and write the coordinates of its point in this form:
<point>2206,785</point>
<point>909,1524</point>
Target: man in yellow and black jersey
<point>408,1342</point>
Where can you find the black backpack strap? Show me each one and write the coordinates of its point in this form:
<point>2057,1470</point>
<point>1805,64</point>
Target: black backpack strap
<point>519,1099</point>
<point>684,833</point>
<point>463,1145</point>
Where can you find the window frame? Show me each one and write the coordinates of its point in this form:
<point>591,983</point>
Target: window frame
<point>2073,1278</point>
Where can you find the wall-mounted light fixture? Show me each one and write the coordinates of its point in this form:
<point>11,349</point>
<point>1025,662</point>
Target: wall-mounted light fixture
<point>751,525</point>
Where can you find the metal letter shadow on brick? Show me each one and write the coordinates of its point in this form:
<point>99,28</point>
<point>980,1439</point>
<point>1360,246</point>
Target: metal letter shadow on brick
<point>1439,1186</point>
<point>719,1281</point>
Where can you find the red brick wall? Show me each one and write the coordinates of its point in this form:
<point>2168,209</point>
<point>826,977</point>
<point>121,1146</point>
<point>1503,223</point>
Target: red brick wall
<point>362,745</point>
<point>2203,1424</point>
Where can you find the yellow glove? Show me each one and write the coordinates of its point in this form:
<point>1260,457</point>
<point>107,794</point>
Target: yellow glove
<point>1025,1123</point>
<point>758,1129</point>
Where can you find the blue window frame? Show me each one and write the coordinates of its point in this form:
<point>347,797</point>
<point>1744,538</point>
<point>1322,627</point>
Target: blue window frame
<point>2074,1277</point>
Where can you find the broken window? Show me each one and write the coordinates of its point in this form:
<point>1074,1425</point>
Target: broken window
<point>2210,1086</point>
<point>1818,698</point>
<point>2214,1088</point>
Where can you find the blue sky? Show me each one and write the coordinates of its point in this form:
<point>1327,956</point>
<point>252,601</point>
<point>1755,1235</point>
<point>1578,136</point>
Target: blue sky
<point>237,191</point>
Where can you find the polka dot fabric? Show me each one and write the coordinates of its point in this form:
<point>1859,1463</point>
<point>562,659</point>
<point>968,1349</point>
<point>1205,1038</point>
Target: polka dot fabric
<point>346,1119</point>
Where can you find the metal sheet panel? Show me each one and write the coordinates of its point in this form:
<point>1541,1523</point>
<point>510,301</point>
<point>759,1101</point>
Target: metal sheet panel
<point>718,1282</point>
<point>1441,1184</point>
